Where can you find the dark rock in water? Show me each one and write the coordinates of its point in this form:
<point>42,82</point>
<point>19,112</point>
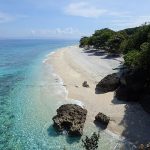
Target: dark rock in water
<point>85,84</point>
<point>109,83</point>
<point>123,93</point>
<point>71,118</point>
<point>91,143</point>
<point>101,118</point>
<point>145,102</point>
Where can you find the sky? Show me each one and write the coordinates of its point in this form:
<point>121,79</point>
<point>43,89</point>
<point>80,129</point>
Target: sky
<point>70,19</point>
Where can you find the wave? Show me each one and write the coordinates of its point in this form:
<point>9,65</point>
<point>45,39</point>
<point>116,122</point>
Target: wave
<point>62,86</point>
<point>47,57</point>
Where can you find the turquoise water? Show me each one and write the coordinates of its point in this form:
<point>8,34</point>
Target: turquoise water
<point>29,96</point>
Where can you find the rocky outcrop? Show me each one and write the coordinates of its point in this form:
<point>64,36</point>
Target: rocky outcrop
<point>101,118</point>
<point>144,147</point>
<point>109,83</point>
<point>71,118</point>
<point>132,85</point>
<point>123,93</point>
<point>145,102</point>
<point>85,84</point>
<point>133,80</point>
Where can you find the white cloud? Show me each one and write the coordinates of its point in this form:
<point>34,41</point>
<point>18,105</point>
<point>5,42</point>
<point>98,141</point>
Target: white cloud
<point>68,30</point>
<point>4,17</point>
<point>84,9</point>
<point>56,32</point>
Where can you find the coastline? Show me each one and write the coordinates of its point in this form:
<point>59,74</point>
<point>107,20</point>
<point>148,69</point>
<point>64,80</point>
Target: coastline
<point>71,65</point>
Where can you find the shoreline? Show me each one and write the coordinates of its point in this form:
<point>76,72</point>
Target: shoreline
<point>78,102</point>
<point>69,68</point>
<point>69,95</point>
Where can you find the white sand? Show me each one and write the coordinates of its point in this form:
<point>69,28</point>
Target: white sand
<point>75,66</point>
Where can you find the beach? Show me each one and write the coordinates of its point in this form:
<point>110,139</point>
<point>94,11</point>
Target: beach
<point>74,66</point>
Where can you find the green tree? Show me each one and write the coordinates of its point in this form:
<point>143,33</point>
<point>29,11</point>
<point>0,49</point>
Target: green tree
<point>139,59</point>
<point>114,43</point>
<point>132,59</point>
<point>100,37</point>
<point>84,41</point>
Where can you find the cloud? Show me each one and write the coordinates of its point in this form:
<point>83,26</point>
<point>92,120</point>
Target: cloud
<point>84,9</point>
<point>4,17</point>
<point>56,32</point>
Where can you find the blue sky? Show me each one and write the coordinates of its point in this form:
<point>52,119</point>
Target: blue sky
<point>68,18</point>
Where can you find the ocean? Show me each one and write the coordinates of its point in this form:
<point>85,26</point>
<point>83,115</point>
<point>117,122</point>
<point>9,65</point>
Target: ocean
<point>30,93</point>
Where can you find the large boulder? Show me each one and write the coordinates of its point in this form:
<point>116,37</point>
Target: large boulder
<point>133,80</point>
<point>125,94</point>
<point>121,93</point>
<point>101,118</point>
<point>132,85</point>
<point>71,118</point>
<point>145,102</point>
<point>109,83</point>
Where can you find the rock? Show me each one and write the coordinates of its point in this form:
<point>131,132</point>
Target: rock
<point>145,102</point>
<point>141,147</point>
<point>133,80</point>
<point>85,84</point>
<point>132,85</point>
<point>101,118</point>
<point>76,86</point>
<point>144,147</point>
<point>71,118</point>
<point>123,93</point>
<point>109,83</point>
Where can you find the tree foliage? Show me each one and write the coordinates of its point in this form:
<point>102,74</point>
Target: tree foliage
<point>84,41</point>
<point>139,59</point>
<point>118,42</point>
<point>133,43</point>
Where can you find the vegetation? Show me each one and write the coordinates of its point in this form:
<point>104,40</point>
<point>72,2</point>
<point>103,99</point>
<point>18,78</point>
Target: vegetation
<point>92,142</point>
<point>120,41</point>
<point>134,43</point>
<point>139,59</point>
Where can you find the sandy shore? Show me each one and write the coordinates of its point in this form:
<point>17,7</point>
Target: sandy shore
<point>74,66</point>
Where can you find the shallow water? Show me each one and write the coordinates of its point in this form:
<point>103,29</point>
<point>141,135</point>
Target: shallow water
<point>30,93</point>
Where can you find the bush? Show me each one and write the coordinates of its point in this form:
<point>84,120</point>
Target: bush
<point>84,41</point>
<point>139,59</point>
<point>132,59</point>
